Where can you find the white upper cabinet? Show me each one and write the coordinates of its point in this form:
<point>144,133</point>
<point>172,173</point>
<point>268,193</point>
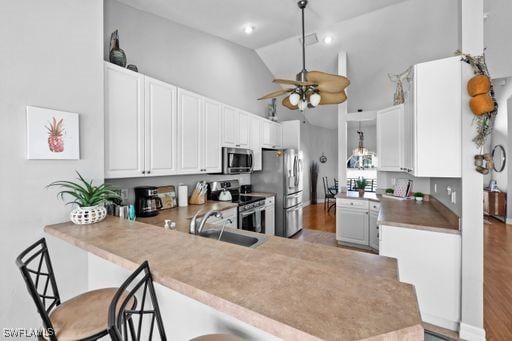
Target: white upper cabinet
<point>190,114</point>
<point>255,142</point>
<point>390,139</point>
<point>423,137</point>
<point>212,130</point>
<point>437,118</point>
<point>244,129</point>
<point>230,126</point>
<point>153,128</point>
<point>124,122</point>
<point>235,128</point>
<point>271,135</point>
<point>161,128</point>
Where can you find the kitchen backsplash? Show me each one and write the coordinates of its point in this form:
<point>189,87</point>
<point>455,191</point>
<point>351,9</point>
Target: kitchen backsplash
<point>189,180</point>
<point>388,180</point>
<point>447,189</point>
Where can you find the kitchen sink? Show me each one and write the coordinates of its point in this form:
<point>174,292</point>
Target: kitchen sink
<point>233,238</point>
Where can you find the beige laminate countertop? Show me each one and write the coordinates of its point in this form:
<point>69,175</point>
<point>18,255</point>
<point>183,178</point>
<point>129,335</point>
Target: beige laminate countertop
<point>182,215</point>
<point>291,289</point>
<point>426,215</point>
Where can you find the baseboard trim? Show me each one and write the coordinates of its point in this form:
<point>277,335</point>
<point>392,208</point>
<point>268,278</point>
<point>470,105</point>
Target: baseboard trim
<point>440,321</point>
<point>307,203</point>
<point>508,221</point>
<point>471,333</point>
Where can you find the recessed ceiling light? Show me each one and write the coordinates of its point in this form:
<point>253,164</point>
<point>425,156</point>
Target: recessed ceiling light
<point>328,40</point>
<point>248,29</point>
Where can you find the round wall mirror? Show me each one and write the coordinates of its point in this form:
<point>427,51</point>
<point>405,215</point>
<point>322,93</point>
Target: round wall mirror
<point>499,157</point>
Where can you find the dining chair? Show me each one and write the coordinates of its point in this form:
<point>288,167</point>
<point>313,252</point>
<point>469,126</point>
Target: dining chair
<point>328,195</point>
<point>83,317</point>
<point>137,322</point>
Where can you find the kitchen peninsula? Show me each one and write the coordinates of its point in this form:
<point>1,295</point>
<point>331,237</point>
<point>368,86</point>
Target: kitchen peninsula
<point>285,289</point>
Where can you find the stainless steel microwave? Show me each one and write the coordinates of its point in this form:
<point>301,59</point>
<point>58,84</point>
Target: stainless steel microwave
<point>237,160</point>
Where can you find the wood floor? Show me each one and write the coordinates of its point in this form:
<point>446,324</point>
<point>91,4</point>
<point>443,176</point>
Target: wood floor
<point>320,227</point>
<point>497,280</point>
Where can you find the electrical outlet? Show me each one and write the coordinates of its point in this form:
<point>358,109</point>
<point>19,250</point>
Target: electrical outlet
<point>449,190</point>
<point>124,195</point>
<point>393,181</point>
<point>454,197</point>
<point>435,188</point>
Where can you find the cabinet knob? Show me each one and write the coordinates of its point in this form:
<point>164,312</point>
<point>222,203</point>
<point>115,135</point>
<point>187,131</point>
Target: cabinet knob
<point>149,172</point>
<point>143,172</point>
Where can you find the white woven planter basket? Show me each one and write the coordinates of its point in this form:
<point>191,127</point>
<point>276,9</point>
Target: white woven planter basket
<point>88,215</point>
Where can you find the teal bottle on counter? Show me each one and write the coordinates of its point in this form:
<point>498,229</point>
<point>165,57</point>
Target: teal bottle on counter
<point>131,213</point>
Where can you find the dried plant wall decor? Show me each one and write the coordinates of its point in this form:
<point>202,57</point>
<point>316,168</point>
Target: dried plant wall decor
<point>483,99</point>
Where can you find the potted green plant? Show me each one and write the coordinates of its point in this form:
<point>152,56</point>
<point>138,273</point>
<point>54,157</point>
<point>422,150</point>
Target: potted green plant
<point>418,196</point>
<point>361,185</point>
<point>390,191</point>
<point>88,198</point>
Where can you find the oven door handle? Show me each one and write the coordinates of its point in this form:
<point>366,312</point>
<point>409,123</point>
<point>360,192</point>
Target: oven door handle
<point>247,213</point>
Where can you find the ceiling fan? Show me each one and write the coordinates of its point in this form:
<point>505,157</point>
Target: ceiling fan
<point>311,88</point>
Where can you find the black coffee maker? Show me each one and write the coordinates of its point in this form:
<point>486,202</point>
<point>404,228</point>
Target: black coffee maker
<point>147,201</point>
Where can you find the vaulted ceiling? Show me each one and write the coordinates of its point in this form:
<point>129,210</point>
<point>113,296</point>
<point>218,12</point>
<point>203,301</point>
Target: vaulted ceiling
<point>273,20</point>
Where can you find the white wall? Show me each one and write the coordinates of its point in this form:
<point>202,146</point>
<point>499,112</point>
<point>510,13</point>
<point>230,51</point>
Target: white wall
<point>500,136</point>
<point>188,58</point>
<point>51,57</point>
<point>385,41</point>
<point>315,141</point>
<point>498,30</point>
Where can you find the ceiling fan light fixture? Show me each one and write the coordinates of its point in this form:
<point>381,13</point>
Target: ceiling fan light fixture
<point>294,98</point>
<point>302,105</point>
<point>315,99</point>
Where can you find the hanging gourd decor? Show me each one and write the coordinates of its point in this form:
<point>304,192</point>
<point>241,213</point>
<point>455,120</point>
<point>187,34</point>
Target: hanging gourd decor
<point>483,100</point>
<point>478,85</point>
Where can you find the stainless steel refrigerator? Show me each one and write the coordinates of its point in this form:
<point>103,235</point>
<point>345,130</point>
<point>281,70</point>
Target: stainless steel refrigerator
<point>282,174</point>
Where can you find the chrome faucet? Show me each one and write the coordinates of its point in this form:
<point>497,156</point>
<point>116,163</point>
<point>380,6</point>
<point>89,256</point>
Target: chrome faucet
<point>197,225</point>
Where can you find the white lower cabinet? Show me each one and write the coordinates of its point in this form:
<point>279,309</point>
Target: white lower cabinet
<point>270,216</point>
<point>431,261</point>
<point>356,223</point>
<point>352,222</point>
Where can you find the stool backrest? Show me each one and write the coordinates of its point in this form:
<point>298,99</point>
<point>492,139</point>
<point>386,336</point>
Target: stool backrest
<point>129,310</point>
<point>36,269</point>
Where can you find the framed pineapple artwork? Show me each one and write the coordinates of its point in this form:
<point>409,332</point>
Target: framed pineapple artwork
<point>52,134</point>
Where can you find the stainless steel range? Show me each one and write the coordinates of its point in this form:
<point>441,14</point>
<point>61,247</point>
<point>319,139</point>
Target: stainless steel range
<point>251,210</point>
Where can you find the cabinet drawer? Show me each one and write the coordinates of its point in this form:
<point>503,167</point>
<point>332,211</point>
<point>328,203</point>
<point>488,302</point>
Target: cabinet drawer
<point>352,203</point>
<point>374,206</point>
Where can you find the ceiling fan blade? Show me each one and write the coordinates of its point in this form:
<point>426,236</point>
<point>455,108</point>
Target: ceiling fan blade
<point>328,82</point>
<point>274,94</point>
<point>292,82</point>
<point>332,98</point>
<point>286,103</point>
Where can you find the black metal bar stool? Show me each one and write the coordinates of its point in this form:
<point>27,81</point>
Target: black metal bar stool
<point>125,323</point>
<point>83,317</point>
